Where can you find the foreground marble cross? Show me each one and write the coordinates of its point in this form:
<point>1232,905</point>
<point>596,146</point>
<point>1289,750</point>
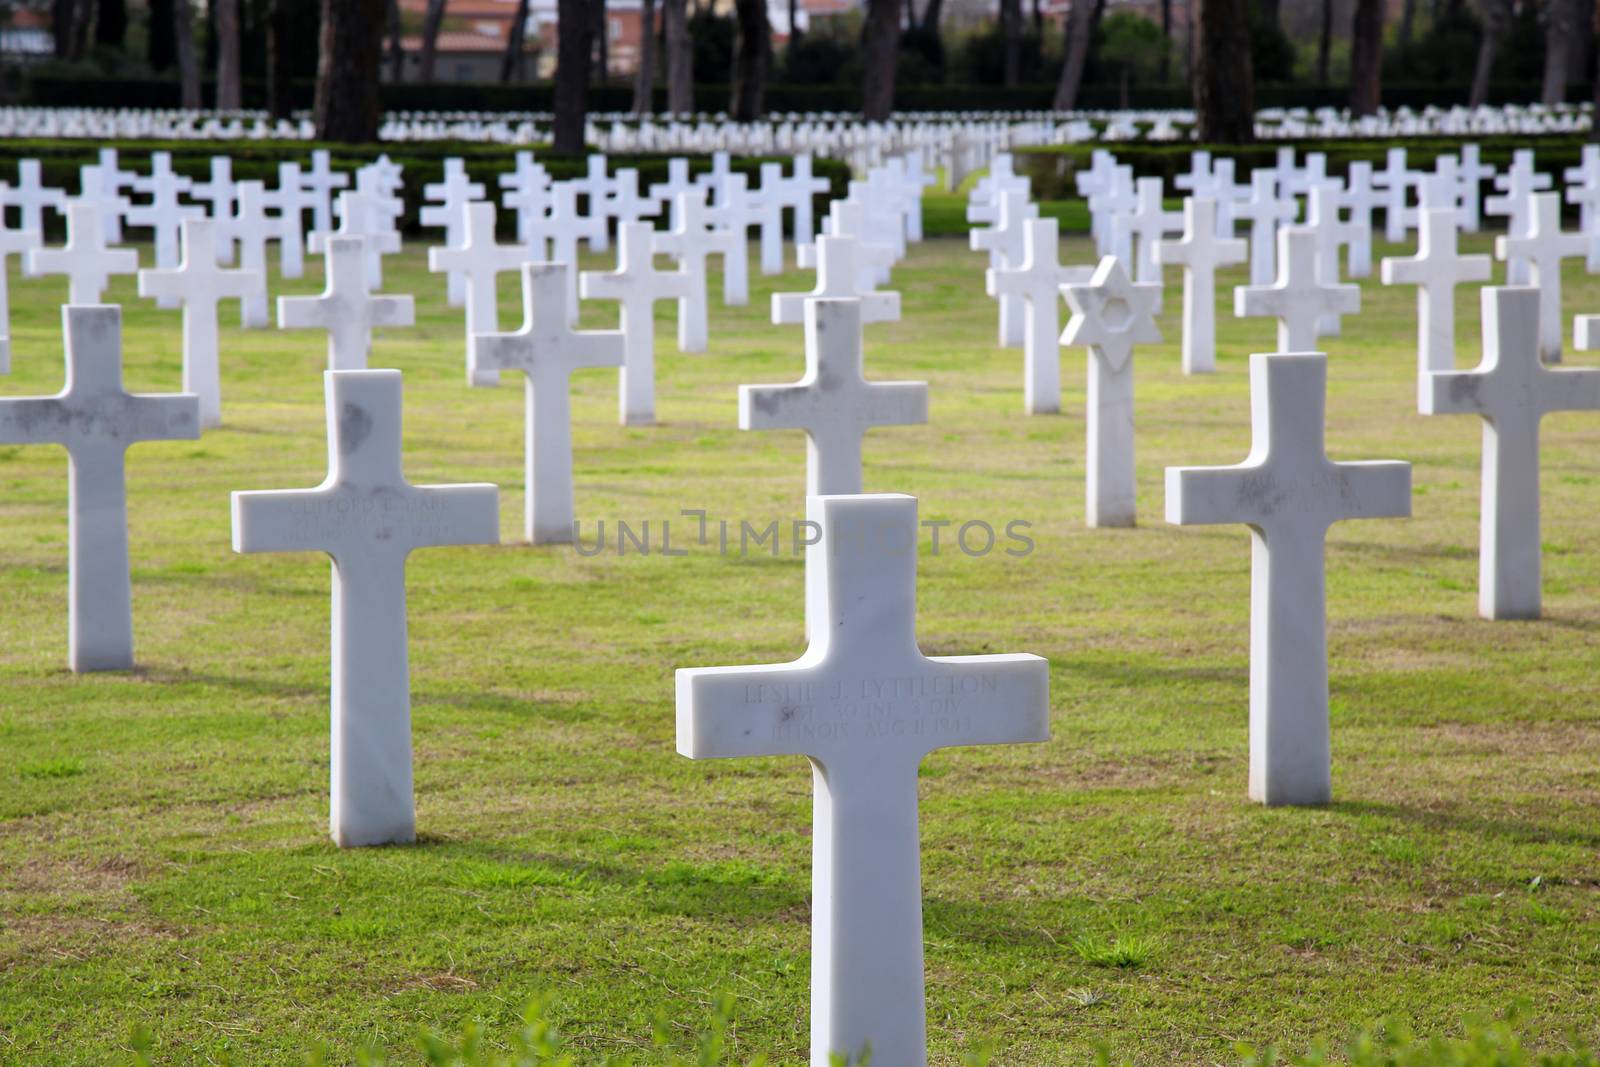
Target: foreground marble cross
<point>1541,248</point>
<point>1111,315</point>
<point>1288,492</point>
<point>833,403</point>
<point>547,350</point>
<point>1299,299</point>
<point>636,285</point>
<point>199,285</point>
<point>346,309</point>
<point>1436,270</point>
<point>97,419</point>
<point>1511,390</point>
<point>84,259</point>
<point>369,519</point>
<point>838,275</point>
<point>1200,252</point>
<point>865,706</point>
<point>1037,281</point>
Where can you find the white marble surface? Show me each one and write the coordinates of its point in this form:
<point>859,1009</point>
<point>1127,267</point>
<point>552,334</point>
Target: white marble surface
<point>1200,252</point>
<point>1037,281</point>
<point>472,265</point>
<point>369,519</point>
<point>1299,299</point>
<point>865,706</point>
<point>839,274</point>
<point>1288,492</point>
<point>1541,248</point>
<point>637,285</point>
<point>347,309</point>
<point>1436,270</point>
<point>85,258</point>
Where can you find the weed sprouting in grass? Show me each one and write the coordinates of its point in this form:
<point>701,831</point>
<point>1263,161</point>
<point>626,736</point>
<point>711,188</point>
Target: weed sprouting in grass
<point>57,767</point>
<point>1128,951</point>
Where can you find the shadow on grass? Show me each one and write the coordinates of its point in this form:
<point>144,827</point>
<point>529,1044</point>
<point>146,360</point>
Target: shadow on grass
<point>1521,831</point>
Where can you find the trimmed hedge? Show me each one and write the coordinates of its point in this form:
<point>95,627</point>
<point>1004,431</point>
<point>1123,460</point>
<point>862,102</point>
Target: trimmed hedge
<point>423,162</point>
<point>1052,168</point>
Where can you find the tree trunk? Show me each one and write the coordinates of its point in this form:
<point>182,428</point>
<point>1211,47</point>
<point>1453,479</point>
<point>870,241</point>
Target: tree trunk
<point>188,70</point>
<point>349,59</point>
<point>644,77</point>
<point>574,46</point>
<point>1076,55</point>
<point>1269,12</point>
<point>432,19</point>
<point>1408,17</point>
<point>111,23</point>
<point>1488,45</point>
<point>280,59</point>
<point>1038,18</point>
<point>397,52</point>
<point>1560,31</point>
<point>931,15</point>
<point>511,63</point>
<point>225,21</point>
<point>1366,57</point>
<point>752,56</point>
<point>1224,90</point>
<point>1325,42</point>
<point>1166,40</point>
<point>679,57</point>
<point>82,17</point>
<point>880,49</point>
<point>602,41</point>
<point>62,15</point>
<point>159,44</point>
<point>1011,35</point>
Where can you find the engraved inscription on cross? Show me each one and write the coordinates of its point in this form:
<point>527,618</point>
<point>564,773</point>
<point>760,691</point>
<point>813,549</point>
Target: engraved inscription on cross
<point>346,308</point>
<point>833,403</point>
<point>865,706</point>
<point>97,419</point>
<point>1511,390</point>
<point>369,519</point>
<point>1288,492</point>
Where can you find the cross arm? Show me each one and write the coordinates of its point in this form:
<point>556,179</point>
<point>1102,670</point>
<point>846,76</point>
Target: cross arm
<point>461,514</point>
<point>765,710</point>
<point>391,310</point>
<point>303,312</point>
<point>501,351</point>
<point>1213,496</point>
<point>776,407</point>
<point>1372,489</point>
<point>1007,695</point>
<point>277,520</point>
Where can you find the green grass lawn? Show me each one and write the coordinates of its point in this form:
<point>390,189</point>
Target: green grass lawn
<point>164,858</point>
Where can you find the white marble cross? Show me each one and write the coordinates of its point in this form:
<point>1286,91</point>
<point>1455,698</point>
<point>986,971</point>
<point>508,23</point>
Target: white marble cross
<point>767,204</point>
<point>199,285</point>
<point>1587,199</point>
<point>690,243</point>
<point>1200,252</point>
<point>678,182</point>
<point>322,182</point>
<point>874,259</point>
<point>838,275</point>
<point>84,259</point>
<point>1267,213</point>
<point>217,193</point>
<point>163,213</point>
<point>97,419</point>
<point>1360,198</point>
<point>1117,197</point>
<point>1004,243</point>
<point>547,350</point>
<point>1436,270</point>
<point>561,230</point>
<point>1110,315</point>
<point>1511,390</point>
<point>1288,492</point>
<point>1472,171</point>
<point>1542,247</point>
<point>865,706</point>
<point>1396,180</point>
<point>833,402</point>
<point>1298,299</point>
<point>31,196</point>
<point>249,228</point>
<point>108,193</point>
<point>478,261</point>
<point>345,309</point>
<point>1518,186</point>
<point>596,186</point>
<point>527,192</point>
<point>291,201</point>
<point>446,207</point>
<point>1323,217</point>
<point>636,285</point>
<point>1146,224</point>
<point>361,217</point>
<point>1037,280</point>
<point>369,519</point>
<point>732,216</point>
<point>22,242</point>
<point>798,189</point>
